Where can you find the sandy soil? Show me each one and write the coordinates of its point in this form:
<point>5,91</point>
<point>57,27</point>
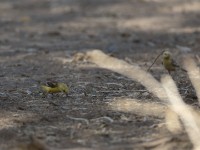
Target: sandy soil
<point>38,40</point>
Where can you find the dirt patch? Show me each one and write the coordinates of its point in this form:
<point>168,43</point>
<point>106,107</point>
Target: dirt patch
<point>38,40</point>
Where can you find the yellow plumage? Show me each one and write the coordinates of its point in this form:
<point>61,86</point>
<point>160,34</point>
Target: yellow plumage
<point>169,63</point>
<point>57,88</point>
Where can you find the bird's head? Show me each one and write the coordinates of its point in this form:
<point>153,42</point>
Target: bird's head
<point>63,87</point>
<point>166,55</point>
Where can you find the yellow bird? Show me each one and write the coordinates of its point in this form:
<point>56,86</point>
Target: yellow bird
<point>55,87</point>
<point>169,63</point>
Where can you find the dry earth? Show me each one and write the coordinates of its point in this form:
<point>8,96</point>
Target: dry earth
<point>38,40</point>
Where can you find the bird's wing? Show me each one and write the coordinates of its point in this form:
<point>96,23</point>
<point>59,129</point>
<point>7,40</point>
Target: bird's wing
<point>52,84</point>
<point>174,63</point>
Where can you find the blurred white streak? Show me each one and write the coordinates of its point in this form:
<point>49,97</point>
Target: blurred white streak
<point>130,71</point>
<point>194,74</point>
<point>167,91</point>
<point>172,121</point>
<point>183,110</point>
<point>138,107</point>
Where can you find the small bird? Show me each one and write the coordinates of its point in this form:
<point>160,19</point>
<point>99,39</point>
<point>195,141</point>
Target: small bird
<point>169,63</point>
<point>55,87</point>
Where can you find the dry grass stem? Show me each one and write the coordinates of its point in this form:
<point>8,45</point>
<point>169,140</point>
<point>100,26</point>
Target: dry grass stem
<point>194,74</point>
<point>130,71</point>
<point>183,110</point>
<point>138,107</point>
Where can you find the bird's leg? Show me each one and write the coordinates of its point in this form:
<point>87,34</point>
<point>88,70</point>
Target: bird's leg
<point>44,95</point>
